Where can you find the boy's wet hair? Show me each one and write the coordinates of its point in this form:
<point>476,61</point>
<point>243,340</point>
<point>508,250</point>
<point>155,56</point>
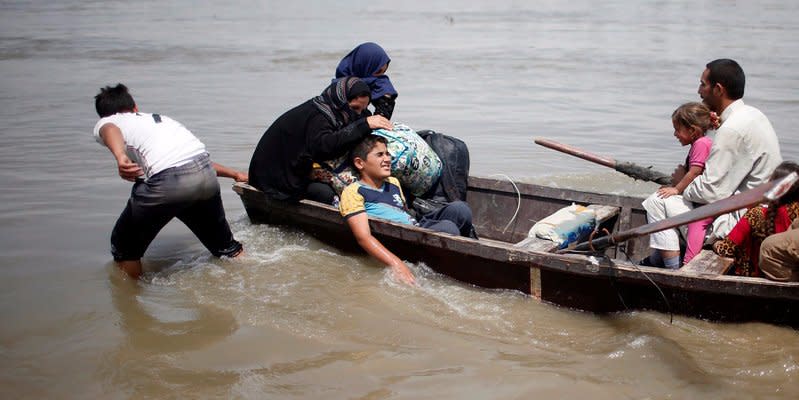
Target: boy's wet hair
<point>112,100</point>
<point>365,146</point>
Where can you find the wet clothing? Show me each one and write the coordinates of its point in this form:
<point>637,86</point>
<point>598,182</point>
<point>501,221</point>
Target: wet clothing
<point>745,152</point>
<point>179,181</point>
<point>189,192</point>
<point>363,62</point>
<point>283,159</point>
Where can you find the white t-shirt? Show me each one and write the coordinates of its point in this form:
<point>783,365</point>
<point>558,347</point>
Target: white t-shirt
<point>155,142</point>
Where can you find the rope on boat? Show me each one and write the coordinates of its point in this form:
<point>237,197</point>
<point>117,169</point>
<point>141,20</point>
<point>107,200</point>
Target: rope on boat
<point>663,295</point>
<point>593,252</point>
<point>518,200</point>
<point>610,261</point>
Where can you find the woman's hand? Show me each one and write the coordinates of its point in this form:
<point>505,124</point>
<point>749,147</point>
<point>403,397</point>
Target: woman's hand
<point>379,122</point>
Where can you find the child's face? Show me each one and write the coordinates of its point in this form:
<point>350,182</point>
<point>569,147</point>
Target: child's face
<point>686,135</point>
<point>378,162</point>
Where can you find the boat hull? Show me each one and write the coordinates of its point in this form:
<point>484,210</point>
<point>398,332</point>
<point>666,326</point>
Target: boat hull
<point>599,283</point>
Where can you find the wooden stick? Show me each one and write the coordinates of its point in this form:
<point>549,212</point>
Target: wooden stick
<point>627,168</point>
<point>565,148</point>
<point>764,193</point>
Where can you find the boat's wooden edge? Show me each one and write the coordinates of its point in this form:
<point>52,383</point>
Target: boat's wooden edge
<point>708,263</point>
<point>531,189</point>
<point>483,183</point>
<point>240,187</point>
<point>572,263</point>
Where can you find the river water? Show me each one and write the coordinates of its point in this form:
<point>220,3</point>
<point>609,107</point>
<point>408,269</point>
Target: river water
<point>298,319</point>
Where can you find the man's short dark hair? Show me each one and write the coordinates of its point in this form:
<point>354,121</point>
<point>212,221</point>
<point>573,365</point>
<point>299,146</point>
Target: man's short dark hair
<point>729,74</point>
<point>365,146</point>
<point>112,100</point>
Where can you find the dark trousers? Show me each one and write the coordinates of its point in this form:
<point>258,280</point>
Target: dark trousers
<point>455,218</point>
<point>321,192</point>
<point>190,193</point>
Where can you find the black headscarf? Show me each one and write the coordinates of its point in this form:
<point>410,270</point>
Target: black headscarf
<point>334,100</point>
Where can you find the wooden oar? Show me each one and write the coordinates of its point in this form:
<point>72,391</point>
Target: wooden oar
<point>633,170</point>
<point>764,193</point>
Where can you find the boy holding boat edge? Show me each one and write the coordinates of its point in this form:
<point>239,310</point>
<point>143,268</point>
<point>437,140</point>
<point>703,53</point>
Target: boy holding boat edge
<point>378,194</point>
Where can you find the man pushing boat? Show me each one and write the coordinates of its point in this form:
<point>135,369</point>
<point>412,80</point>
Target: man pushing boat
<point>173,177</point>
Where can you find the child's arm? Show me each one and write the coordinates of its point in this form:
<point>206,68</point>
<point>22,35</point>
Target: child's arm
<point>112,138</point>
<point>359,225</point>
<point>678,174</point>
<point>689,176</point>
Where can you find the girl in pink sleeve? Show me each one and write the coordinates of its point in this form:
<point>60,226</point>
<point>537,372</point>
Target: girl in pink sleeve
<point>690,121</point>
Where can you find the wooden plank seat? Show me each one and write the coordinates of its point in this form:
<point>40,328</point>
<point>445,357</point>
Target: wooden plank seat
<point>603,213</point>
<point>708,263</point>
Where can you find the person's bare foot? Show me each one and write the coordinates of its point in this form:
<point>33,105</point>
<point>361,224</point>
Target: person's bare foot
<point>132,268</point>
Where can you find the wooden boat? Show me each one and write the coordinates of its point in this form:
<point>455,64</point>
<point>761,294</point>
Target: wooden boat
<point>504,257</point>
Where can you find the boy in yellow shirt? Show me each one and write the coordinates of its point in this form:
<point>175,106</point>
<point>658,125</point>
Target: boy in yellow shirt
<point>378,194</point>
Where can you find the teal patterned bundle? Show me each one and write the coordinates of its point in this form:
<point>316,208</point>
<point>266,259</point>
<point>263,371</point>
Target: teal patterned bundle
<point>413,162</point>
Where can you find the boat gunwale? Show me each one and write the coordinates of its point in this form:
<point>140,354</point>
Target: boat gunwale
<point>477,183</point>
<point>577,264</point>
